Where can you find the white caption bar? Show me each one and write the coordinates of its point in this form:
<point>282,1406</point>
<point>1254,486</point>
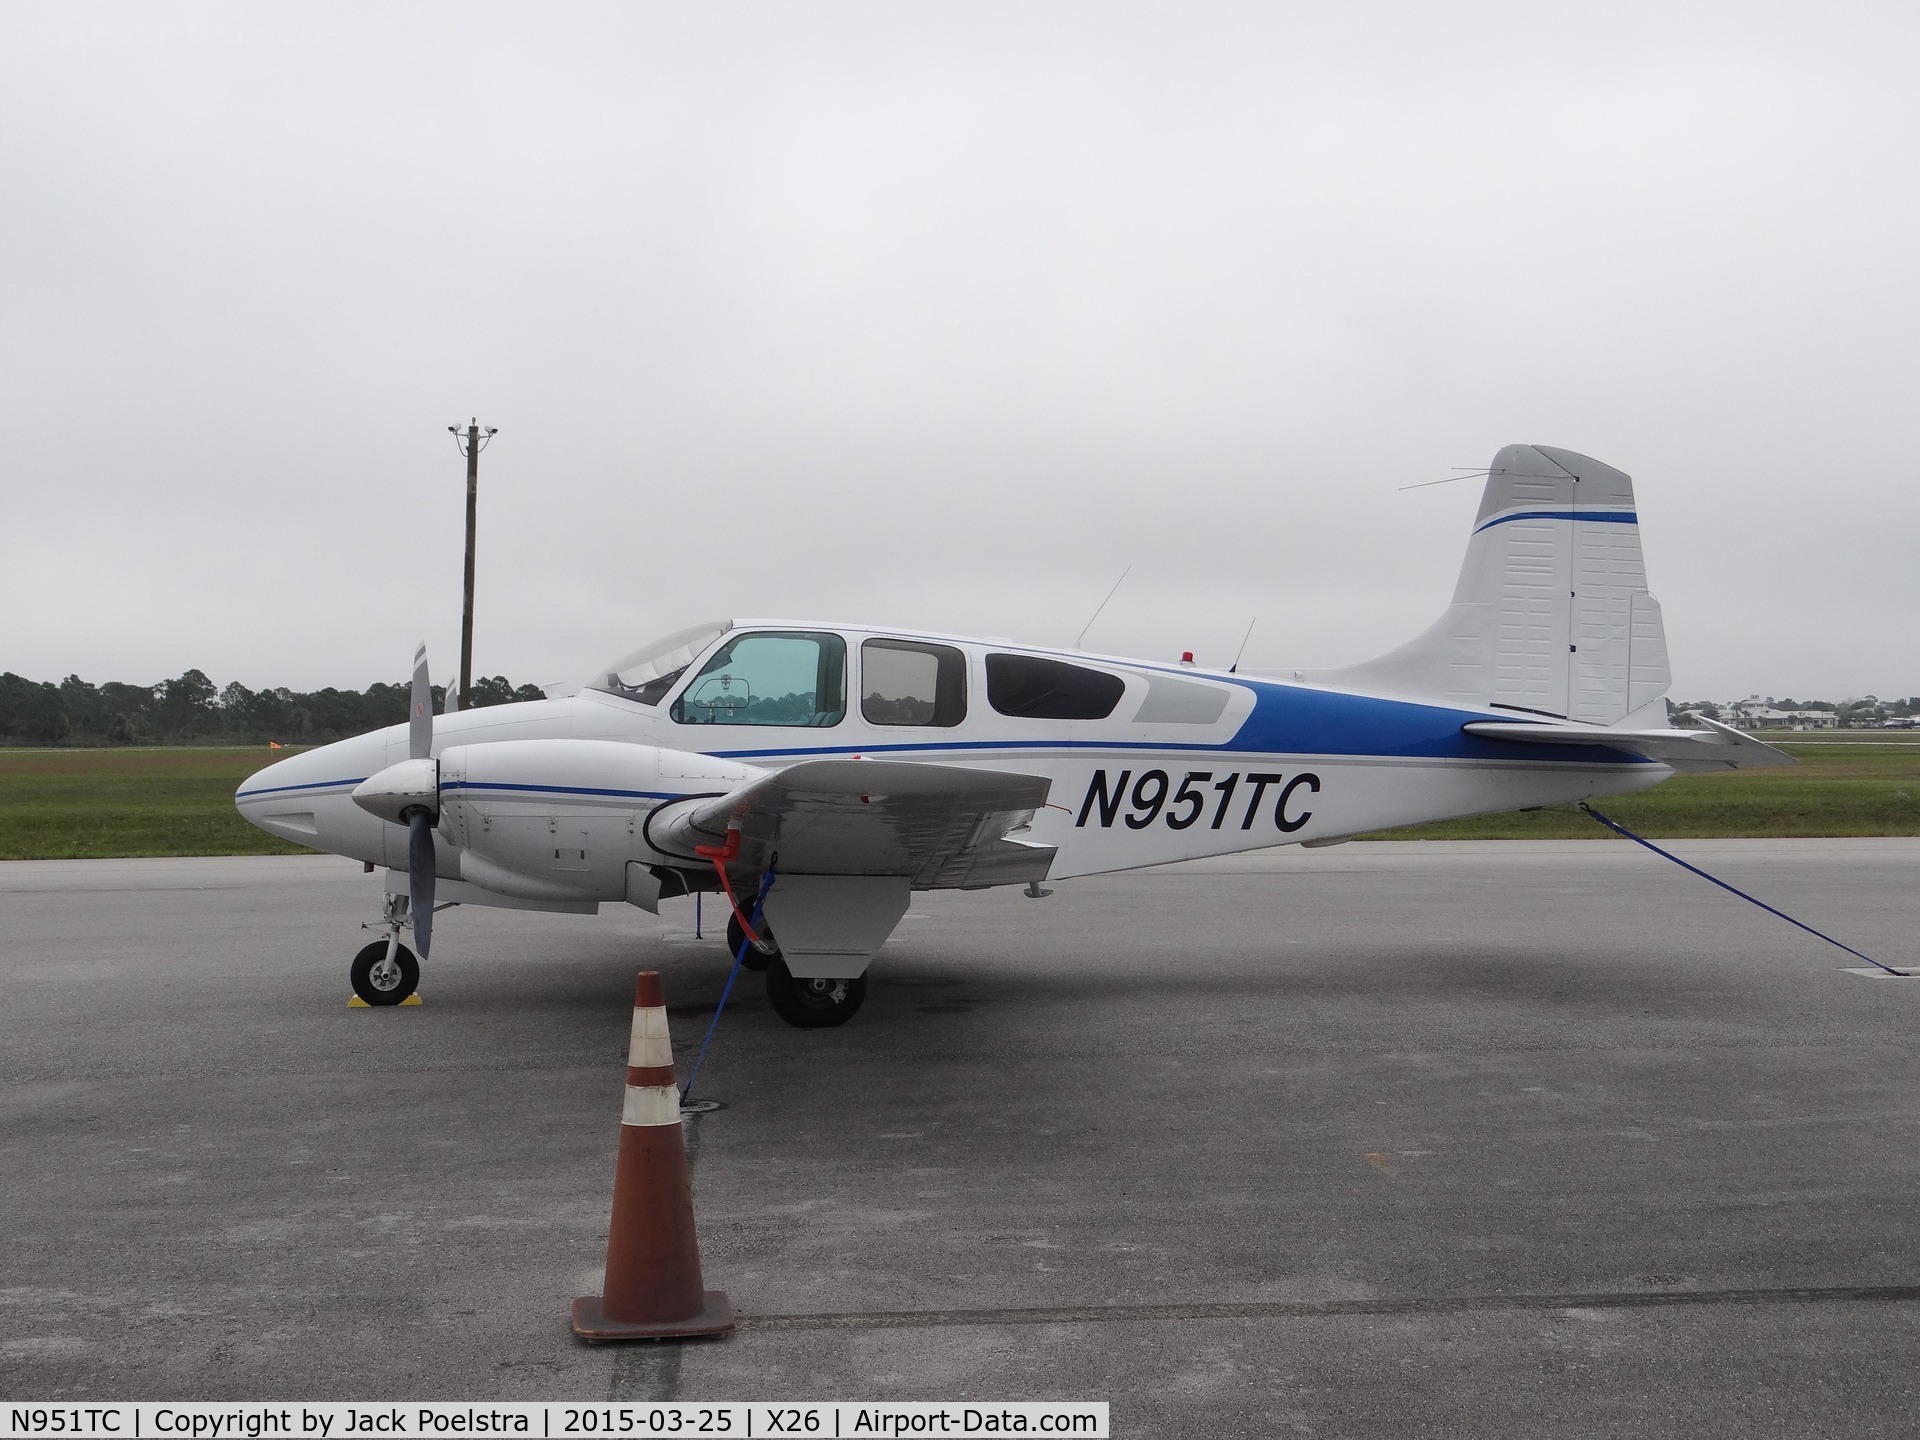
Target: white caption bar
<point>734,1419</point>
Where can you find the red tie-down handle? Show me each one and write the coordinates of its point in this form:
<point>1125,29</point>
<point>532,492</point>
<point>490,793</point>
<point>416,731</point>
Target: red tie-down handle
<point>720,855</point>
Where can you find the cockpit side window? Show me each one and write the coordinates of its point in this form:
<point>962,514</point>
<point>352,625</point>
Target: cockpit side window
<point>769,677</point>
<point>911,682</point>
<point>1033,687</point>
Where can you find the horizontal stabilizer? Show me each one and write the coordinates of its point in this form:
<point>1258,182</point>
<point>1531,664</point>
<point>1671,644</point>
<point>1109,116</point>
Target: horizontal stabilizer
<point>1719,747</point>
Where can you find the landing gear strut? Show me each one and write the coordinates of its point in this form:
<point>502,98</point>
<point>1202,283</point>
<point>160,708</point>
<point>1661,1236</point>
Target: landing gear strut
<point>811,1004</point>
<point>760,955</point>
<point>385,972</point>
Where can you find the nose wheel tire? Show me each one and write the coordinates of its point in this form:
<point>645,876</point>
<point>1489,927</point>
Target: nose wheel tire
<point>812,1004</point>
<point>380,981</point>
<point>758,956</point>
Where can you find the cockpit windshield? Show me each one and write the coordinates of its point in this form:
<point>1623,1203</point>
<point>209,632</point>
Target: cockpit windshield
<point>648,673</point>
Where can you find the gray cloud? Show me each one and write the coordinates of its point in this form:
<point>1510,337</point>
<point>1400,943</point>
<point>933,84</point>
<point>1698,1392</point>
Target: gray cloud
<point>943,315</point>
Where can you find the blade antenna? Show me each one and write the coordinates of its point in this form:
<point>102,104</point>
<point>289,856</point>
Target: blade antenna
<point>1101,606</point>
<point>1234,668</point>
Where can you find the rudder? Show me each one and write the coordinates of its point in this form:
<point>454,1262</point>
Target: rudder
<point>1551,615</point>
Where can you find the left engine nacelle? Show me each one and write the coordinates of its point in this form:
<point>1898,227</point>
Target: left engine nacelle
<point>561,819</point>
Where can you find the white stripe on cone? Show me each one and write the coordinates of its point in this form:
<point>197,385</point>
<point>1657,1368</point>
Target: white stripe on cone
<point>650,1045</point>
<point>651,1105</point>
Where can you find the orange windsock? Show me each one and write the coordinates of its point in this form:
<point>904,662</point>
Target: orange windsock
<point>653,1289</point>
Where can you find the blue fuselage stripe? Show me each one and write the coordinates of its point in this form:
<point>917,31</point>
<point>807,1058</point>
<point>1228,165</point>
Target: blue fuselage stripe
<point>1605,517</point>
<point>561,789</point>
<point>283,789</point>
<point>1142,746</point>
<point>1502,750</point>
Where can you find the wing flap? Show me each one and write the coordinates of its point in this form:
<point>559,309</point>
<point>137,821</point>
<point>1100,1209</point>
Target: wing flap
<point>941,826</point>
<point>1719,747</point>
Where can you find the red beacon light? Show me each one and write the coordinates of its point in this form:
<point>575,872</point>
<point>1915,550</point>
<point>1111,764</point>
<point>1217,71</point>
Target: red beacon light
<point>1186,657</point>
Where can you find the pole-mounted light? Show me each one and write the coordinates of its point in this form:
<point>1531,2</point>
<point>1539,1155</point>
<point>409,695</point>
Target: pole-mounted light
<point>469,441</point>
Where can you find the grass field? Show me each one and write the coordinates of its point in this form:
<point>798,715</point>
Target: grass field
<point>1867,783</point>
<point>64,804</point>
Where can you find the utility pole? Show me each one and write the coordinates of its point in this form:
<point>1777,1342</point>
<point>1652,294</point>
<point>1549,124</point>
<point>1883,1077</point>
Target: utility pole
<point>470,444</point>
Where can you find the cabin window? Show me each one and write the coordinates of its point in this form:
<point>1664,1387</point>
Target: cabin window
<point>769,677</point>
<point>906,682</point>
<point>1034,688</point>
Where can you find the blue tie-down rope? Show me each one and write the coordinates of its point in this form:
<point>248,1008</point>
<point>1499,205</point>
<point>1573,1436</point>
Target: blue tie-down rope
<point>1617,827</point>
<point>753,923</point>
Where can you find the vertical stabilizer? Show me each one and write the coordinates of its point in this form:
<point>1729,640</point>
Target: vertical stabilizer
<point>1551,615</point>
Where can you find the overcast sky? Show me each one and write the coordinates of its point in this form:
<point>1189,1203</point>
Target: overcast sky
<point>942,315</point>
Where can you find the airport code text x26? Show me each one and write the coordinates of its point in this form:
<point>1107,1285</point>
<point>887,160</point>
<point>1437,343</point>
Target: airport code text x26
<point>735,1419</point>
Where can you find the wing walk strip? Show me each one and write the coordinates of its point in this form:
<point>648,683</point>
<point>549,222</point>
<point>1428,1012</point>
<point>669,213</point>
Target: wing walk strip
<point>1327,1309</point>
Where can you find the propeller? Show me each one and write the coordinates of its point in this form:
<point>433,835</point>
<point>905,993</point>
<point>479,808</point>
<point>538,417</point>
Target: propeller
<point>420,820</point>
<point>420,719</point>
<point>408,793</point>
<point>420,875</point>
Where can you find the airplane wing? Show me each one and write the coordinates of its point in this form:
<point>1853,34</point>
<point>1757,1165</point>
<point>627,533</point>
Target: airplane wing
<point>943,826</point>
<point>1719,747</point>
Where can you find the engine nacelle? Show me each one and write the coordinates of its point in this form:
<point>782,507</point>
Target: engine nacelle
<point>560,819</point>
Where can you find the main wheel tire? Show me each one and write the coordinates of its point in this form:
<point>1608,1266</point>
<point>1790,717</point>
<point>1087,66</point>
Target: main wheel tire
<point>812,1004</point>
<point>377,982</point>
<point>758,956</point>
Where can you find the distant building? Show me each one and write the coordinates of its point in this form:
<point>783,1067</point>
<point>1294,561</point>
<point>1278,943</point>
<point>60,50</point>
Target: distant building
<point>1754,713</point>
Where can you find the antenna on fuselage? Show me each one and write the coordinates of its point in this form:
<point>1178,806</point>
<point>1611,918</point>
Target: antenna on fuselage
<point>1101,606</point>
<point>1234,668</point>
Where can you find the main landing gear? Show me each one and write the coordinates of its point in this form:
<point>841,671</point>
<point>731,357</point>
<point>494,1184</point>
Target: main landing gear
<point>809,1004</point>
<point>813,1004</point>
<point>386,972</point>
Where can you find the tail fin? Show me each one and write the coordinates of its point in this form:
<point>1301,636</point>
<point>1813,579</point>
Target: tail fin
<point>1551,615</point>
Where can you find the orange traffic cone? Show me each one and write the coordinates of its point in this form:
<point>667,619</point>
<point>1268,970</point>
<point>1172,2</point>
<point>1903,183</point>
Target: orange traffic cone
<point>653,1289</point>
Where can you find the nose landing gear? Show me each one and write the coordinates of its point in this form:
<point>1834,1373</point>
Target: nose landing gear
<point>386,972</point>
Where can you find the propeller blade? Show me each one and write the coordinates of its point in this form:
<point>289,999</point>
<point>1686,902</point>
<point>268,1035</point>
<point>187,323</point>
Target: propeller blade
<point>420,719</point>
<point>420,876</point>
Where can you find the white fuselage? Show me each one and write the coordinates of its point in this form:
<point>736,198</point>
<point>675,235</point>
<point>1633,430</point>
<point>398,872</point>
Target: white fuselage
<point>1188,763</point>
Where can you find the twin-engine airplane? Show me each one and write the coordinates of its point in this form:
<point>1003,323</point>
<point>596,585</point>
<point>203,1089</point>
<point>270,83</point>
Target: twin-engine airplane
<point>854,765</point>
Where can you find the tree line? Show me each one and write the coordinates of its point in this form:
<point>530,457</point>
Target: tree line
<point>191,710</point>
